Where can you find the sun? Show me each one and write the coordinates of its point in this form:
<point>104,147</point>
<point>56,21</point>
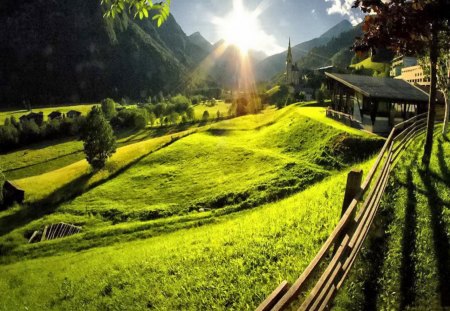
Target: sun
<point>240,27</point>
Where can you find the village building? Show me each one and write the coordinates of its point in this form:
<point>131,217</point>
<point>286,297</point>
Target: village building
<point>294,77</point>
<point>375,104</point>
<point>12,193</point>
<point>38,118</point>
<point>414,75</point>
<point>292,70</point>
<point>55,115</point>
<point>400,62</point>
<point>72,114</point>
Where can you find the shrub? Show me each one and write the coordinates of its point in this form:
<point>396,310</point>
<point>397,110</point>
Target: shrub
<point>139,121</point>
<point>205,116</point>
<point>109,108</point>
<point>2,181</point>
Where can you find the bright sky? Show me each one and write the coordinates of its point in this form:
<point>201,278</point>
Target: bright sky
<point>264,25</point>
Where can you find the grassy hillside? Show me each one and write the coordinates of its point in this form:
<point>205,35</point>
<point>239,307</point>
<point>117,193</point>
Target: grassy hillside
<point>232,264</point>
<point>378,69</point>
<point>405,263</point>
<point>213,220</point>
<point>47,156</point>
<point>225,167</point>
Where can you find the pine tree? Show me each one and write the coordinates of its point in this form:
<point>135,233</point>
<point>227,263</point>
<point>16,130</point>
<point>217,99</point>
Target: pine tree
<point>98,138</point>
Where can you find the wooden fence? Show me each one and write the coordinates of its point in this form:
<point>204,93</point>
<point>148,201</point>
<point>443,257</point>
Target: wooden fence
<point>345,118</point>
<point>334,260</point>
<point>54,231</point>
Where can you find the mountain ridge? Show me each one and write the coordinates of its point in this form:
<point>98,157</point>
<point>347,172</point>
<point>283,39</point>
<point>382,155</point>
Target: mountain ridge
<point>76,55</point>
<point>272,65</point>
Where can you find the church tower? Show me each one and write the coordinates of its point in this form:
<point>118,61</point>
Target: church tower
<point>289,65</point>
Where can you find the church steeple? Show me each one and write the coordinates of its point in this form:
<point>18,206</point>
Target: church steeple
<point>289,55</point>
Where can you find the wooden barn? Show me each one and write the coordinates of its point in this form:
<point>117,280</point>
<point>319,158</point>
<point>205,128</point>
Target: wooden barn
<point>55,115</point>
<point>377,104</point>
<point>12,193</point>
<point>72,114</point>
<point>36,117</point>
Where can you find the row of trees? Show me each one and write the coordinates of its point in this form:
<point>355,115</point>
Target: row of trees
<point>15,134</point>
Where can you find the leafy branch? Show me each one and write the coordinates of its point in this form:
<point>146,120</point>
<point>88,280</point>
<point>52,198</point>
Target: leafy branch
<point>137,8</point>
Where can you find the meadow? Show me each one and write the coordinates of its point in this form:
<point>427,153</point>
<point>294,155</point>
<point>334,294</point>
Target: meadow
<point>243,202</point>
<point>50,155</point>
<point>230,264</point>
<point>405,263</point>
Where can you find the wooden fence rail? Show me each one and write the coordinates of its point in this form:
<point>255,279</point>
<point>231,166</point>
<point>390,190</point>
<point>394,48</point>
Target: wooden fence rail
<point>343,245</point>
<point>54,231</point>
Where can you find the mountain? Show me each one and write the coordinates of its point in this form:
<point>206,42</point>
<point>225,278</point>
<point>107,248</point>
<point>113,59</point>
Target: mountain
<point>225,66</point>
<point>336,52</point>
<point>197,39</point>
<point>337,30</point>
<point>65,51</point>
<point>274,64</point>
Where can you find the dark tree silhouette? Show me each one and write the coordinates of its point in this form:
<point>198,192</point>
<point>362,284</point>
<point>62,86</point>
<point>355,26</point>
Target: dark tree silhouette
<point>412,28</point>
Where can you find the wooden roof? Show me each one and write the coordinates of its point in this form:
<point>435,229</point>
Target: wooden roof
<point>381,88</point>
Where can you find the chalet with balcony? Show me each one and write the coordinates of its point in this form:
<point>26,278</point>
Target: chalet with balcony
<point>376,104</point>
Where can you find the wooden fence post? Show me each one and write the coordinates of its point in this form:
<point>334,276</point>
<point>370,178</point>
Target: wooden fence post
<point>354,179</point>
<point>353,187</point>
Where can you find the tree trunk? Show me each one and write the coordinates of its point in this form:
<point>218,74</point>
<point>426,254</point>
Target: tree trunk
<point>432,100</point>
<point>446,115</point>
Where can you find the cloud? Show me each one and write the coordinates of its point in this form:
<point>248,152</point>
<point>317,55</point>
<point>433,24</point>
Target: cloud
<point>344,8</point>
<point>313,11</point>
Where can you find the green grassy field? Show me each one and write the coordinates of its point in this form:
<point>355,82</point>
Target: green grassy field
<point>405,264</point>
<point>231,264</point>
<point>226,206</point>
<point>220,106</point>
<point>84,109</point>
<point>379,68</point>
<point>47,156</point>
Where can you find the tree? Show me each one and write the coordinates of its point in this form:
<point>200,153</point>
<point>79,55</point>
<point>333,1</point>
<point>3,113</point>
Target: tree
<point>408,27</point>
<point>443,75</point>
<point>98,138</point>
<point>139,8</point>
<point>2,182</point>
<point>139,120</point>
<point>109,108</point>
<point>152,118</point>
<point>190,113</point>
<point>301,96</point>
<point>205,116</point>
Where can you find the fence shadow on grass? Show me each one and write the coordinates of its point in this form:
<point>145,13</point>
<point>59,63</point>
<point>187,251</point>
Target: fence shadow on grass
<point>376,254</point>
<point>440,239</point>
<point>407,268</point>
<point>442,163</point>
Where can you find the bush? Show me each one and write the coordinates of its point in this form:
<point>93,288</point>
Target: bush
<point>205,116</point>
<point>9,137</point>
<point>109,108</point>
<point>30,131</point>
<point>2,181</point>
<point>190,113</point>
<point>139,121</point>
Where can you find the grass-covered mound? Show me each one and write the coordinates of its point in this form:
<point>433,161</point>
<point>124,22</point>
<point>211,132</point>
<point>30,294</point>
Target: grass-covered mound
<point>47,156</point>
<point>231,265</point>
<point>405,264</point>
<point>230,166</point>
